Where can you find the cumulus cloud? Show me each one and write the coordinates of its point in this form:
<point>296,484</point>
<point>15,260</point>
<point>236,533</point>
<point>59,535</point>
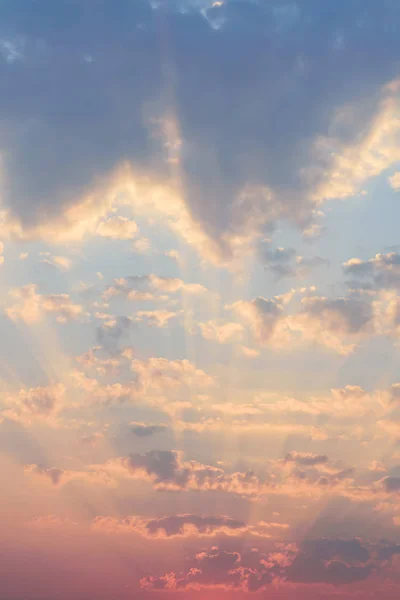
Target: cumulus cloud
<point>29,306</point>
<point>221,332</point>
<point>162,374</point>
<point>35,403</point>
<point>337,323</point>
<point>380,272</point>
<point>262,315</point>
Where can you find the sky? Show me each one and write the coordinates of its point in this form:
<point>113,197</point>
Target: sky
<point>199,299</point>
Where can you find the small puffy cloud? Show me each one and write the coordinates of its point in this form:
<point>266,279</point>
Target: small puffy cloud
<point>39,402</point>
<point>249,352</point>
<point>162,374</point>
<point>142,245</point>
<point>284,262</point>
<point>30,306</point>
<point>394,181</point>
<point>261,314</point>
<point>313,231</point>
<point>157,318</point>
<point>61,262</point>
<point>117,228</point>
<point>221,332</point>
<point>380,272</point>
<point>278,261</point>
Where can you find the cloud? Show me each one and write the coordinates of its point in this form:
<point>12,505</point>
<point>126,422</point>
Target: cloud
<point>167,471</point>
<point>61,477</point>
<point>330,562</point>
<point>380,272</point>
<point>306,458</point>
<point>241,166</point>
<point>55,475</point>
<point>146,287</point>
<point>278,261</point>
<point>30,306</point>
<point>390,484</point>
<point>336,323</point>
<point>184,525</point>
<point>284,262</point>
<point>112,331</point>
<point>117,228</point>
<point>158,318</point>
<point>163,374</point>
<point>35,403</point>
<point>221,332</point>
<point>394,181</point>
<point>143,431</point>
<point>336,562</point>
<point>51,521</point>
<point>262,315</point>
<point>61,262</point>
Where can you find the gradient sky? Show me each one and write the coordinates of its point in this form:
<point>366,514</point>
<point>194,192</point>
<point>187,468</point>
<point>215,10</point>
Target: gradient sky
<point>200,319</point>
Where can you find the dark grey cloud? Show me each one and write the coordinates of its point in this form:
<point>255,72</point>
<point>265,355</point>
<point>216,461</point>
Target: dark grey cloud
<point>306,458</point>
<point>112,332</point>
<point>334,562</point>
<point>142,430</point>
<point>251,84</point>
<point>391,483</point>
<point>284,262</point>
<point>168,471</point>
<point>55,475</point>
